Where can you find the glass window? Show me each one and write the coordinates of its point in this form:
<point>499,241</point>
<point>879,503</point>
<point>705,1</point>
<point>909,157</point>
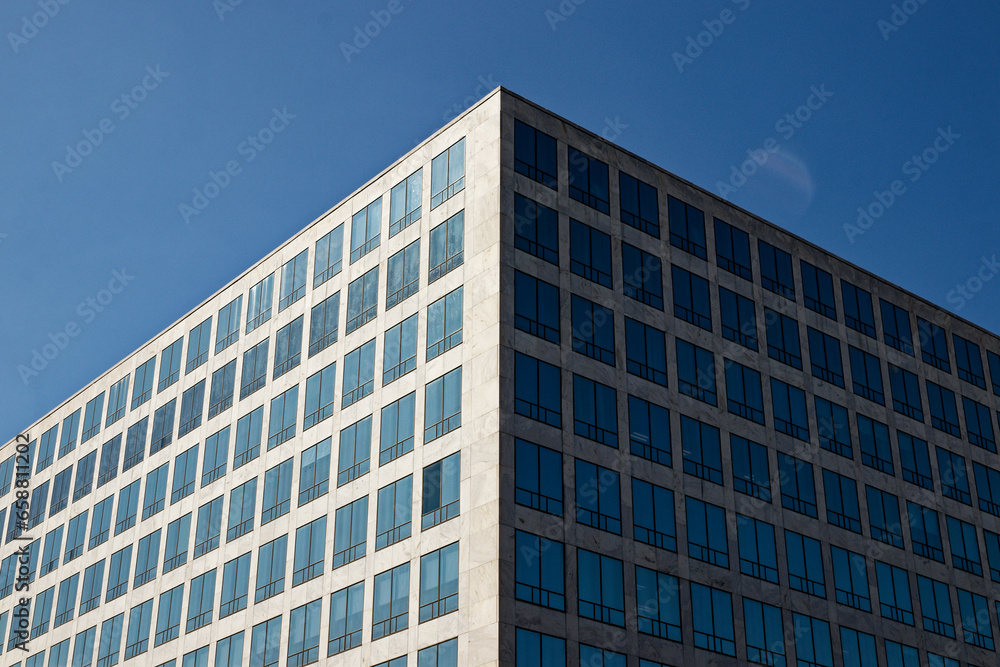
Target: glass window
<point>944,412</point>
<point>866,375</point>
<point>991,357</point>
<point>209,527</point>
<point>92,418</point>
<point>595,411</point>
<point>639,208</point>
<point>687,227</point>
<point>366,230</point>
<point>535,155</point>
<point>439,582</point>
<point>649,430</point>
<point>142,390</point>
<point>254,369</point>
<point>925,531</point>
<point>168,616</point>
<point>248,433</point>
<point>70,428</point>
<point>259,303</point>
<point>653,515</point>
<point>850,579</point>
<point>83,647</point>
<point>858,312</point>
<point>954,476</point>
<point>320,387</point>
<point>355,451</point>
<point>538,477</point>
<point>658,604</point>
<point>200,602</point>
<point>314,472</point>
<point>128,505</point>
<point>979,424</point>
<point>65,602</point>
<point>812,641</point>
<point>448,173</point>
<point>441,491</point>
<point>764,633</point>
<point>588,180</point>
<point>242,507</point>
<point>75,535</point>
<point>798,486</point>
<point>277,491</point>
<point>805,564</point>
<point>533,650</point>
<point>170,365</point>
<point>117,401</point>
<point>50,554</point>
<point>192,406</point>
<point>198,341</point>
<point>397,426</point>
<point>229,651</point>
<point>702,450</point>
<point>976,626</point>
<point>776,270</point>
<point>876,448</point>
<point>842,507</point>
<point>858,648</point>
<point>395,507</point>
<point>896,327</point>
<point>601,588</point>
<point>265,643</point>
<point>359,373</point>
<point>824,357</point>
<point>323,323</point>
<point>789,406</point>
<point>346,612</point>
<point>111,641</point>
<point>362,299</point>
<point>444,654</point>
<point>817,290</point>
<point>712,618</point>
<point>400,350</point>
<point>969,360</point>
<point>914,460</point>
<point>692,301</point>
<point>281,424</point>
<point>883,517</point>
<point>537,390</point>
<point>447,242</point>
<point>743,392</point>
<point>293,280</point>
<point>227,328</point>
<point>598,499</point>
<point>444,323</point>
<point>987,488</point>
<point>216,454</point>
<point>933,345</point>
<point>288,347</point>
<point>223,388</point>
<point>739,321</point>
<point>783,338</point>
<point>271,561</point>
<point>390,603</point>
<point>758,556</point>
<point>404,203</point>
<point>935,607</point>
<point>43,612</point>
<point>732,248</point>
<point>60,490</point>
<point>645,351</point>
<point>901,655</point>
<point>707,539</point>
<point>310,543</point>
<point>176,550</point>
<point>964,544</point>
<point>905,393</point>
<point>403,279</point>
<point>589,253</point>
<point>39,501</point>
<point>643,276</point>
<point>536,229</point>
<point>185,474</point>
<point>349,540</point>
<point>834,428</point>
<point>108,468</point>
<point>146,558</point>
<point>100,529</point>
<point>443,405</point>
<point>329,256</point>
<point>593,325</point>
<point>751,471</point>
<point>696,372</point>
<point>90,595</point>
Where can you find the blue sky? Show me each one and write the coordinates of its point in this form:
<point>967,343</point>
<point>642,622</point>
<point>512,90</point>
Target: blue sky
<point>834,98</point>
